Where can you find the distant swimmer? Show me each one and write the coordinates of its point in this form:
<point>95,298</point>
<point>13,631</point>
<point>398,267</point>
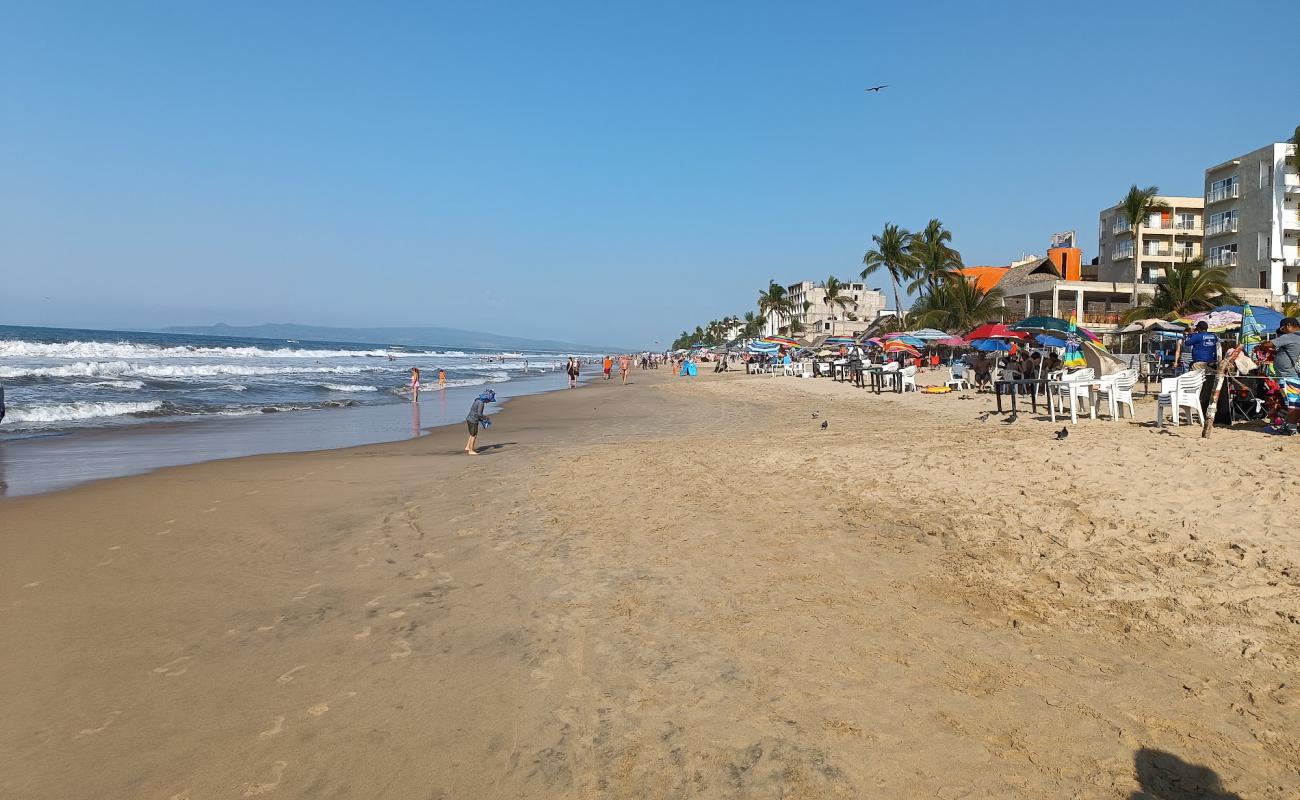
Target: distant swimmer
<point>442,378</point>
<point>415,384</point>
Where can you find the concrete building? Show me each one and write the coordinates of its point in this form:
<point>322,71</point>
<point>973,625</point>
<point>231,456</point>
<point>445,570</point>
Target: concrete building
<point>1252,207</point>
<point>1169,237</point>
<point>818,317</point>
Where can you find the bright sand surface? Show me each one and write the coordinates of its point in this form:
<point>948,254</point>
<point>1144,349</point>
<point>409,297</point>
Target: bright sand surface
<point>672,589</point>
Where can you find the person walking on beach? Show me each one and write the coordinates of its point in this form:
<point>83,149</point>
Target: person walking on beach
<point>609,365</point>
<point>572,369</point>
<point>624,364</point>
<point>476,417</point>
<point>415,384</point>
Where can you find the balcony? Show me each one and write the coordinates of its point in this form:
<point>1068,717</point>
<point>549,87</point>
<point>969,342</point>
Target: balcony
<point>1221,226</point>
<point>1187,226</point>
<point>1221,260</point>
<point>1120,228</point>
<point>1291,189</point>
<point>1121,253</point>
<point>1156,252</point>
<point>1223,193</point>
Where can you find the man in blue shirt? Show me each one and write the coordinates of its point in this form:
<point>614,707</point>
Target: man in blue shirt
<point>1205,346</point>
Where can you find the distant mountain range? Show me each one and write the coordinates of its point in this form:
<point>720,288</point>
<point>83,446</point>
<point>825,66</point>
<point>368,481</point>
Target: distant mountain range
<point>451,338</point>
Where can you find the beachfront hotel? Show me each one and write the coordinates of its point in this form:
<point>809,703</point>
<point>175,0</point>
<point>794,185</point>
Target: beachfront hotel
<point>1252,208</point>
<point>1171,236</point>
<point>808,299</point>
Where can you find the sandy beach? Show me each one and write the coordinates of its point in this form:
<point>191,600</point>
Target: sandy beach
<point>678,588</point>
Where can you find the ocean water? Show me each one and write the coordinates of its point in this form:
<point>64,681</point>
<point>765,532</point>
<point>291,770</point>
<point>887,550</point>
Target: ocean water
<point>59,379</point>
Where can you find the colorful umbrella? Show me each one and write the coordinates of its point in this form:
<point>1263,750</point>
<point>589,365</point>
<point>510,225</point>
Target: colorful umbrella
<point>845,340</point>
<point>1049,341</point>
<point>1052,325</point>
<point>900,346</point>
<point>993,330</point>
<point>952,341</point>
<point>780,340</point>
<point>1252,333</point>
<point>1267,318</point>
<point>991,345</point>
<point>1073,354</point>
<point>905,338</point>
<point>1216,320</point>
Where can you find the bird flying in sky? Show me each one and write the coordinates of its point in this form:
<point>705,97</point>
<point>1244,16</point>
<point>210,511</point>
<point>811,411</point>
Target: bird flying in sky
<point>877,88</point>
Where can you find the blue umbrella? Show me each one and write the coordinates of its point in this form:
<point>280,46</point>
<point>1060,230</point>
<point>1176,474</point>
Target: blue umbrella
<point>1049,341</point>
<point>991,346</point>
<point>1265,317</point>
<point>908,339</point>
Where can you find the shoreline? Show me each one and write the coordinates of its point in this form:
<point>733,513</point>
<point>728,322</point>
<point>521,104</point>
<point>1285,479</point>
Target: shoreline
<point>676,588</point>
<point>37,463</point>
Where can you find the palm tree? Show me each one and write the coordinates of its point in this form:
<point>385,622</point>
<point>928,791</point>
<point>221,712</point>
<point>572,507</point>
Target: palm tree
<point>891,252</point>
<point>1135,208</point>
<point>1291,310</point>
<point>1187,289</point>
<point>1295,152</point>
<point>935,258</point>
<point>775,302</point>
<point>753,325</point>
<point>835,297</point>
<point>957,303</point>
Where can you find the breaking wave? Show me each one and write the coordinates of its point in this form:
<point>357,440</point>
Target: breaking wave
<point>72,412</point>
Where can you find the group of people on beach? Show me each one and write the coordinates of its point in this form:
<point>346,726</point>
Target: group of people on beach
<point>415,382</point>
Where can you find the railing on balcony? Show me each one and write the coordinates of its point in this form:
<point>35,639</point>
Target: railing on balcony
<point>1221,260</point>
<point>1158,252</point>
<point>1223,193</point>
<point>1180,225</point>
<point>1121,253</point>
<point>1119,228</point>
<point>1221,226</point>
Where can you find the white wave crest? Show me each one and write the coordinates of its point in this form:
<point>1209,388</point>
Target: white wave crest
<point>116,369</point>
<point>108,385</point>
<point>16,348</point>
<point>69,412</point>
<point>347,387</point>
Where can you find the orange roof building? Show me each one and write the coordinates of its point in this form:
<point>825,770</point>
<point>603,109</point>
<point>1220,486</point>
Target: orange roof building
<point>985,277</point>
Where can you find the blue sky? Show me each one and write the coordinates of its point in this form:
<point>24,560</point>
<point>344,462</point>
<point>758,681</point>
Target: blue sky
<point>608,172</point>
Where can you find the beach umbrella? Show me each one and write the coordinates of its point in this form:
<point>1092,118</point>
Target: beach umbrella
<point>1153,324</point>
<point>952,341</point>
<point>900,346</point>
<point>1252,332</point>
<point>1052,326</point>
<point>905,338</point>
<point>991,345</point>
<point>844,340</point>
<point>1073,352</point>
<point>993,330</point>
<point>1221,319</point>
<point>781,340</point>
<point>928,334</point>
<point>1049,341</point>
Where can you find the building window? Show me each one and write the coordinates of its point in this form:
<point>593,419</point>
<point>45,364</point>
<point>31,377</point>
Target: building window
<point>1263,243</point>
<point>1225,255</point>
<point>1221,222</point>
<point>1186,222</point>
<point>1265,174</point>
<point>1223,189</point>
<point>1263,279</point>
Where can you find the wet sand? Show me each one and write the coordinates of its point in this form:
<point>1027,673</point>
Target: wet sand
<point>671,589</point>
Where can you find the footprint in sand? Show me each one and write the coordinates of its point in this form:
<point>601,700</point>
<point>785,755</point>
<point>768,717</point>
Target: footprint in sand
<point>302,595</point>
<point>92,731</point>
<point>185,795</point>
<point>265,628</point>
<point>31,585</point>
<point>168,522</point>
<point>163,533</point>
<point>397,614</point>
<point>116,547</point>
<point>209,510</point>
<point>255,789</point>
<point>288,676</point>
<point>177,666</point>
<point>375,602</point>
<point>105,562</point>
<point>275,728</point>
<point>318,709</point>
<point>364,632</point>
<point>403,650</point>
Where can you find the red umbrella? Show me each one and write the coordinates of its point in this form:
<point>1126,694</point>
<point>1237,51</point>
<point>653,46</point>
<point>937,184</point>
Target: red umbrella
<point>993,330</point>
<point>894,346</point>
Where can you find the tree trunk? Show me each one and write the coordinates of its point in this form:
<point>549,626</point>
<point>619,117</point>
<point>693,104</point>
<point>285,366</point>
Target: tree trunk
<point>1219,379</point>
<point>898,306</point>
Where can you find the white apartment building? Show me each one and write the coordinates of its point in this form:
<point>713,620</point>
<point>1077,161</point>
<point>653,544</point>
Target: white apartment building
<point>820,318</point>
<point>1170,236</point>
<point>1252,207</point>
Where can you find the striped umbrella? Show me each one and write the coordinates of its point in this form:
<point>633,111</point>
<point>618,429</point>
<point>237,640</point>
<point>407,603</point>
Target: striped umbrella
<point>1252,333</point>
<point>781,340</point>
<point>1073,353</point>
<point>905,338</point>
<point>845,340</point>
<point>900,346</point>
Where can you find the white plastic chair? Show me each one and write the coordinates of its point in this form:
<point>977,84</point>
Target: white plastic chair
<point>909,377</point>
<point>1179,393</point>
<point>1074,386</point>
<point>957,377</point>
<point>1118,390</point>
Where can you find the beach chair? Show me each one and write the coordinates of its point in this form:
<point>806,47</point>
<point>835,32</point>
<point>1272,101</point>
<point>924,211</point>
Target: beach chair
<point>1179,393</point>
<point>908,376</point>
<point>957,377</point>
<point>1118,390</point>
<point>1072,387</point>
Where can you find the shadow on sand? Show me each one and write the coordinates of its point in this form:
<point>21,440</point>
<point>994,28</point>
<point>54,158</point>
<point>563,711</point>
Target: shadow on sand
<point>1165,776</point>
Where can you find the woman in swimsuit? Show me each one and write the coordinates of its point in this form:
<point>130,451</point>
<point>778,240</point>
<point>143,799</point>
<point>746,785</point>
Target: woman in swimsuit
<point>415,384</point>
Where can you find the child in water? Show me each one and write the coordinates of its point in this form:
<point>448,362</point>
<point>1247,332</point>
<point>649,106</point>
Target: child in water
<point>415,384</point>
<point>476,417</point>
<point>442,378</point>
